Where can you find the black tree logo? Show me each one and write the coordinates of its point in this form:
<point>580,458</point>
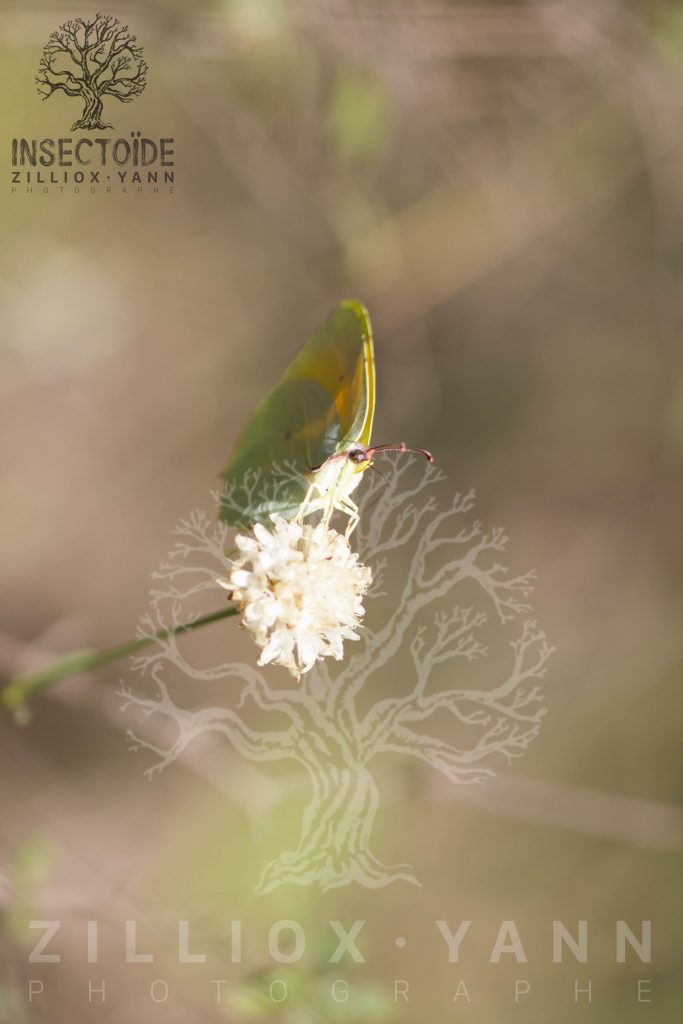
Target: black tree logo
<point>92,59</point>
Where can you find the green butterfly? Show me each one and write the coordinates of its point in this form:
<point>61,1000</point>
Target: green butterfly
<point>309,439</point>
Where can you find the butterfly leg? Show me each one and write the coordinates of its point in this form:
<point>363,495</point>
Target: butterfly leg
<point>354,519</point>
<point>303,508</point>
<point>350,509</point>
<point>330,506</point>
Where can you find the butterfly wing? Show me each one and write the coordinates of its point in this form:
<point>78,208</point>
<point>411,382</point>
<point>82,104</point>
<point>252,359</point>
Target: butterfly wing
<point>323,404</point>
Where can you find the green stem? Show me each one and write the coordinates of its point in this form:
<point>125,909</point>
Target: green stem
<point>19,691</point>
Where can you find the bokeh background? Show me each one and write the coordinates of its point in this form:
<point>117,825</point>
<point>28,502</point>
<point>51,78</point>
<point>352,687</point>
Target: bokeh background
<point>502,185</point>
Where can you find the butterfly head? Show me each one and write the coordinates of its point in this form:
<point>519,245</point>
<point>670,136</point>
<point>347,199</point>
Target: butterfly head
<point>358,457</point>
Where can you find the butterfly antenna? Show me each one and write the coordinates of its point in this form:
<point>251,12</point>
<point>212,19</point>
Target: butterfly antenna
<point>402,447</point>
<point>367,454</point>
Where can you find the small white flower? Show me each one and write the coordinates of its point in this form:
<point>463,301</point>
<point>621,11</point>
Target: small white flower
<point>299,589</point>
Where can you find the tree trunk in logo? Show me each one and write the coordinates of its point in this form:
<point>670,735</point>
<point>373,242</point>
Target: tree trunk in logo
<point>92,115</point>
<point>334,848</point>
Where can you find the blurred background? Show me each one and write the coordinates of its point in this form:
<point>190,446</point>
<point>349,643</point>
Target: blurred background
<point>502,185</point>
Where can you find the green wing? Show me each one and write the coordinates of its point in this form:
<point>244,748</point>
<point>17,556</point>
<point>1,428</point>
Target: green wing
<point>323,404</point>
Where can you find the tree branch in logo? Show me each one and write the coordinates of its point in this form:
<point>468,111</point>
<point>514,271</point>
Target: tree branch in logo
<point>91,60</point>
<point>410,686</point>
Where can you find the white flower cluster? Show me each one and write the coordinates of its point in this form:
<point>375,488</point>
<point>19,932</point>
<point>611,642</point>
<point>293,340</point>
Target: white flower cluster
<point>299,589</point>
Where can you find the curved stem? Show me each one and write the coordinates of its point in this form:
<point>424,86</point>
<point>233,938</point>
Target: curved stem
<point>17,692</point>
